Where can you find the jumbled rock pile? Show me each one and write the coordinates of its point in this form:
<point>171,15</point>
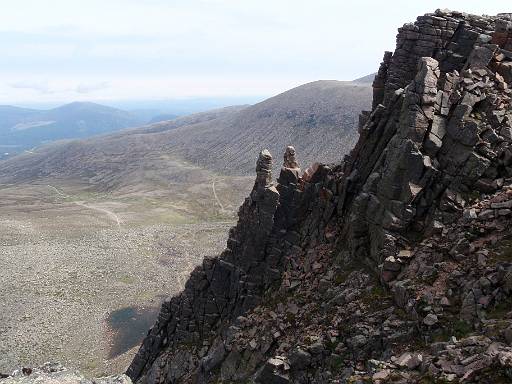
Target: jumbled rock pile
<point>56,373</point>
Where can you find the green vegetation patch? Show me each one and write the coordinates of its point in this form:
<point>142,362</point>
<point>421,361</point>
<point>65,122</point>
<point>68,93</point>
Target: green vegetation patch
<point>458,328</point>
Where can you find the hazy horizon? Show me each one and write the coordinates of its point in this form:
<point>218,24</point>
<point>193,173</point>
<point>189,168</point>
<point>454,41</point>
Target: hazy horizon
<point>178,105</point>
<point>63,51</point>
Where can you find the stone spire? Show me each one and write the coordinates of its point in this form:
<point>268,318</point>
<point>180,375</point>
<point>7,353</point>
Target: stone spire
<point>264,170</point>
<point>290,161</point>
<point>290,172</point>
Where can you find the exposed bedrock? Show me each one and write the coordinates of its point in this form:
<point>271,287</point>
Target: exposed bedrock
<point>297,294</point>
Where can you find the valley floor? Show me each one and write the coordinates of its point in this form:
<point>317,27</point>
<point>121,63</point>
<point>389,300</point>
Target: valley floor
<point>77,266</point>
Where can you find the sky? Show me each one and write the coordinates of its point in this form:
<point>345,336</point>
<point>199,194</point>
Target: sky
<point>100,50</point>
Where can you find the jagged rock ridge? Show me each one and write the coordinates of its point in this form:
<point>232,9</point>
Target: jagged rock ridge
<point>390,267</point>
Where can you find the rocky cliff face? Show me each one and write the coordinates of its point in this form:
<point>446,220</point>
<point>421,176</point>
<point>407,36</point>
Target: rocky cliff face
<point>393,266</point>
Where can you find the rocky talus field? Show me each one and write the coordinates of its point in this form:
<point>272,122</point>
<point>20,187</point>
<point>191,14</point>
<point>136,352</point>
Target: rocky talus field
<point>84,272</point>
<point>391,266</point>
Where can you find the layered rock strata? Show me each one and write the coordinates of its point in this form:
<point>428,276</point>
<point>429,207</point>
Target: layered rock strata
<point>188,339</point>
<point>393,266</point>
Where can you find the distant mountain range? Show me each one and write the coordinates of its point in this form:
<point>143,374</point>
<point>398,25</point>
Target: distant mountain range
<point>319,119</point>
<point>23,128</point>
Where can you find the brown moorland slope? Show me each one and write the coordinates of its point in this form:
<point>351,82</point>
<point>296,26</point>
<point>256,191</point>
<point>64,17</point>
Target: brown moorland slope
<point>319,118</point>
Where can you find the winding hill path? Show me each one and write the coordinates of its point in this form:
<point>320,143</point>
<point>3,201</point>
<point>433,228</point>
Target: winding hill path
<point>112,215</point>
<point>216,197</point>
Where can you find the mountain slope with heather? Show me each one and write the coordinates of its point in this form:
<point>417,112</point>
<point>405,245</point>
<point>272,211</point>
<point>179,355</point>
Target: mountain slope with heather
<point>320,118</point>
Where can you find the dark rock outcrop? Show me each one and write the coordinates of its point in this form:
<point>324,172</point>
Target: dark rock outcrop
<point>392,266</point>
<point>189,337</point>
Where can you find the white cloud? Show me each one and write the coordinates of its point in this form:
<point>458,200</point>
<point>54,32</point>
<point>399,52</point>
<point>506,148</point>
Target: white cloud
<point>56,89</point>
<point>72,48</point>
<point>89,88</point>
<point>38,86</point>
